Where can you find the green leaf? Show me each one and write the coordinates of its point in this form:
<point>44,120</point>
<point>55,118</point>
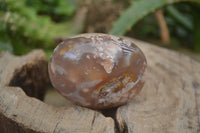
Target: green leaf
<point>23,24</point>
<point>137,11</point>
<point>180,18</point>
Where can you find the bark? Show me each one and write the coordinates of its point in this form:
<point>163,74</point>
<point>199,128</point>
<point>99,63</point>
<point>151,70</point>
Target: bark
<point>168,102</point>
<point>170,98</point>
<point>25,113</point>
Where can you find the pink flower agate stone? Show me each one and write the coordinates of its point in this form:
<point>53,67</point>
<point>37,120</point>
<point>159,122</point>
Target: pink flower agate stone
<point>97,71</point>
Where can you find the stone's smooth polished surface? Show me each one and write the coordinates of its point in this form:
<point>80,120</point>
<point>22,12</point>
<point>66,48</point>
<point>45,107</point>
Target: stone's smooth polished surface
<point>97,70</point>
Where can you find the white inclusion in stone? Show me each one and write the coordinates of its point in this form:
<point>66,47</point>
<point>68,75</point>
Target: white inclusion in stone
<point>100,49</point>
<point>129,49</point>
<point>109,52</point>
<point>85,90</point>
<point>70,55</point>
<point>101,55</point>
<point>88,56</point>
<point>110,56</point>
<point>108,66</point>
<point>62,85</point>
<point>112,50</point>
<point>130,85</point>
<point>61,70</point>
<point>53,67</point>
<point>122,41</point>
<point>87,72</point>
<point>105,101</point>
<point>101,100</point>
<point>127,57</point>
<point>128,43</point>
<point>88,84</point>
<point>100,38</point>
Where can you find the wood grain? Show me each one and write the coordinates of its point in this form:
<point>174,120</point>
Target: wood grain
<point>20,113</point>
<point>170,99</point>
<point>28,71</point>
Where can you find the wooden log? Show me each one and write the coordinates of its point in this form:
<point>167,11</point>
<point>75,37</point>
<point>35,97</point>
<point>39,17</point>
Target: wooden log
<point>28,72</point>
<point>20,113</point>
<point>170,99</point>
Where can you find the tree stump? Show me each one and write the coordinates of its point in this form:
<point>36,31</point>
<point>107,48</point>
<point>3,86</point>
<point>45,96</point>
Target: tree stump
<point>21,111</point>
<point>168,102</point>
<point>170,99</point>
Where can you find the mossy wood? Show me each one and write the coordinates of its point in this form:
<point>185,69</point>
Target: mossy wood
<point>169,101</point>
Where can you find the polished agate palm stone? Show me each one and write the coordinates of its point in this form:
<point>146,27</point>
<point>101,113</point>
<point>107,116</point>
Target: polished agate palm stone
<point>97,70</point>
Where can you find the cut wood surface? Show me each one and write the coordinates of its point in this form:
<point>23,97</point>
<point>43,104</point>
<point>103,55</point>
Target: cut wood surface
<point>169,101</point>
<point>20,113</point>
<point>29,72</point>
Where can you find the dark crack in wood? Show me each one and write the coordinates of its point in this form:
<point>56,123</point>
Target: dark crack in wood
<point>196,86</point>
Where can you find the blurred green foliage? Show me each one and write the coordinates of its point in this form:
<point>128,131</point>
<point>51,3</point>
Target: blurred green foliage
<point>58,10</point>
<point>182,19</point>
<point>28,24</point>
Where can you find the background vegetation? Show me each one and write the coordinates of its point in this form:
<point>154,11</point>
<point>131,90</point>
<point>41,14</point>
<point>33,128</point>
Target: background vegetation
<point>31,24</point>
